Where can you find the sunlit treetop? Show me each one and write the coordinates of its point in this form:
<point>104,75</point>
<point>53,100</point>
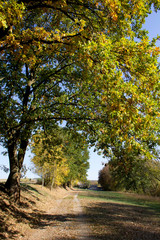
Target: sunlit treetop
<point>22,22</point>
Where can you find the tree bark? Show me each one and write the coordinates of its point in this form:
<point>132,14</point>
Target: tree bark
<point>13,184</point>
<point>52,183</point>
<point>13,181</point>
<point>43,177</point>
<point>16,157</point>
<point>69,184</point>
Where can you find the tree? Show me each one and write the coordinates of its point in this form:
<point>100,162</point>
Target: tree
<point>76,61</point>
<point>60,156</point>
<point>130,170</point>
<point>48,155</point>
<point>106,180</point>
<point>77,155</point>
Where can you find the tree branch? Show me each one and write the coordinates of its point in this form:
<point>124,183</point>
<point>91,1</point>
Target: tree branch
<point>50,75</point>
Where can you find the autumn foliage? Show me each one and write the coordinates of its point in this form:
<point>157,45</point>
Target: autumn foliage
<point>60,157</point>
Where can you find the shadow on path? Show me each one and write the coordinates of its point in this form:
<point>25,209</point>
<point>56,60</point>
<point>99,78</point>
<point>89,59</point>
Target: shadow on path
<point>113,221</point>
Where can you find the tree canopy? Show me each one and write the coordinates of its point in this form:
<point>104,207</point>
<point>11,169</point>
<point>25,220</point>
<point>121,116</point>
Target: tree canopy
<point>86,62</point>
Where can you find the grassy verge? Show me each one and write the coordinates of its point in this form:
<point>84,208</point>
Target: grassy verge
<point>123,198</point>
<point>121,216</point>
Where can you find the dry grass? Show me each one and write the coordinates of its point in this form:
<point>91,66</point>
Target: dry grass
<point>16,221</point>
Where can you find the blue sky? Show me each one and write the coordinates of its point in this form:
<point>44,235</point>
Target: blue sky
<point>153,26</point>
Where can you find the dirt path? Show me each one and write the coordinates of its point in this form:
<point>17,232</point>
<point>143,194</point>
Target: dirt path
<point>65,220</point>
<point>68,214</point>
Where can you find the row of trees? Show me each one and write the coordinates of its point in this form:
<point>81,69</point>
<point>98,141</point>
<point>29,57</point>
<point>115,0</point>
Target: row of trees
<point>87,62</point>
<point>60,157</point>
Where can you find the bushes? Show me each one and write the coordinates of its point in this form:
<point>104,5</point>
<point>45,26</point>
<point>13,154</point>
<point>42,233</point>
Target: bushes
<point>106,180</point>
<point>139,177</point>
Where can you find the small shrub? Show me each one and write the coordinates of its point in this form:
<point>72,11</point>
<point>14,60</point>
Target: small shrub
<point>106,180</point>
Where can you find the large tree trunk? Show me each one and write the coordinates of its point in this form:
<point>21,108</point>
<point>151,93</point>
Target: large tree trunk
<point>17,145</point>
<point>16,159</point>
<point>13,184</point>
<point>13,181</point>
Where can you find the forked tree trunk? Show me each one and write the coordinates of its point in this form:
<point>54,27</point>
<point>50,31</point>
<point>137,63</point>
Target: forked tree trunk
<point>16,162</point>
<point>13,185</point>
<point>13,181</point>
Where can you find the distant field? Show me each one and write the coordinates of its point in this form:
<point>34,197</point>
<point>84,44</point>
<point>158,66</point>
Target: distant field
<point>93,182</point>
<point>2,180</point>
<point>23,180</point>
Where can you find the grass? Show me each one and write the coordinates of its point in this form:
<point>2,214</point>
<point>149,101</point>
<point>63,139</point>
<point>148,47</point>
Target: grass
<point>121,215</point>
<point>123,198</point>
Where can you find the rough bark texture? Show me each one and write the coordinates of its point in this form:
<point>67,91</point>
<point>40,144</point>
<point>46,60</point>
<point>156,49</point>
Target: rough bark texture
<point>13,181</point>
<point>16,158</point>
<point>13,186</point>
